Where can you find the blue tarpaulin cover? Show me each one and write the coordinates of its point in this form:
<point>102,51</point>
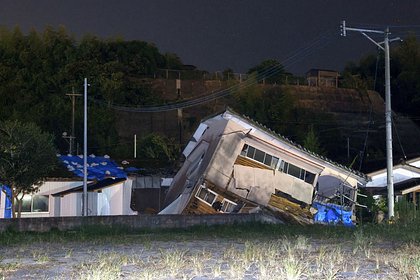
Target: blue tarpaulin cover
<point>98,167</point>
<point>329,213</point>
<point>5,190</point>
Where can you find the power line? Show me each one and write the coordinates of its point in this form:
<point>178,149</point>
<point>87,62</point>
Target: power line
<point>320,42</point>
<point>398,137</point>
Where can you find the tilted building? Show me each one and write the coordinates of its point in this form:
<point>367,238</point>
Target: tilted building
<point>233,164</point>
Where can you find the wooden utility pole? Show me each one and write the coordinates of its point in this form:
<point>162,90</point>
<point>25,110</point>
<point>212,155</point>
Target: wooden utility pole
<point>73,106</point>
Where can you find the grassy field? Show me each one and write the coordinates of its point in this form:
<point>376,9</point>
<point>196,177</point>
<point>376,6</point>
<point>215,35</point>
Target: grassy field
<point>250,251</point>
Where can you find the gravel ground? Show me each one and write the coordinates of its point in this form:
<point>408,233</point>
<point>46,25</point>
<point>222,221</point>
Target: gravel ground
<point>132,257</point>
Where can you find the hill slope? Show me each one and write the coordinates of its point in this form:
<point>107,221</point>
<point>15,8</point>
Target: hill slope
<point>352,121</point>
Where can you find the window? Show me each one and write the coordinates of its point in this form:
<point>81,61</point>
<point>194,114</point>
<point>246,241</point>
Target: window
<point>297,172</point>
<point>244,150</point>
<point>272,161</point>
<point>36,203</point>
<point>268,159</point>
<point>228,206</point>
<point>260,156</point>
<point>309,177</point>
<point>294,171</point>
<point>206,195</point>
<point>251,152</point>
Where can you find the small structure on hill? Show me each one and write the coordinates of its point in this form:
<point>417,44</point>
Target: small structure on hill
<point>322,78</point>
<point>235,165</point>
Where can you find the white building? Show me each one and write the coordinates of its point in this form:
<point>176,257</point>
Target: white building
<point>406,178</point>
<point>61,198</point>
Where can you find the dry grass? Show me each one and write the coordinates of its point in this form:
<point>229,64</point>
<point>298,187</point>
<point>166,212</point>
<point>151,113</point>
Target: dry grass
<point>276,256</point>
<point>407,261</point>
<point>7,269</point>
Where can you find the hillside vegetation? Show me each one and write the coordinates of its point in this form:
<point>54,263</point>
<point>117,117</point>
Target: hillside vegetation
<point>38,69</point>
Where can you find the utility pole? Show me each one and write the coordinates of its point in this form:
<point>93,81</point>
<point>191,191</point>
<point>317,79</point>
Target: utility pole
<point>85,194</point>
<point>388,111</point>
<point>135,145</point>
<point>72,132</point>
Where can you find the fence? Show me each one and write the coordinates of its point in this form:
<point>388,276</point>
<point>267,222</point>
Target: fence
<point>137,222</point>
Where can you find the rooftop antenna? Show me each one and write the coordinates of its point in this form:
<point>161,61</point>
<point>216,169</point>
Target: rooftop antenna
<point>388,113</point>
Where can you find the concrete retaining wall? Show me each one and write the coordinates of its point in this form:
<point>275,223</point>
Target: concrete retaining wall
<point>129,222</point>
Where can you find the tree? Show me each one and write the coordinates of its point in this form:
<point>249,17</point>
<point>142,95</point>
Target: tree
<point>26,156</point>
<point>155,147</point>
<point>270,71</point>
<point>311,142</point>
<point>405,70</point>
<point>172,61</point>
<point>38,69</point>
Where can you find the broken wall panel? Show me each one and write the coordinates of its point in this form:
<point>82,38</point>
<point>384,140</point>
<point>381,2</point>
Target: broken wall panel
<point>262,183</point>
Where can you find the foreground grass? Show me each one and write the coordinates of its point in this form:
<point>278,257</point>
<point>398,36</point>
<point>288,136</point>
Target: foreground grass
<point>247,251</point>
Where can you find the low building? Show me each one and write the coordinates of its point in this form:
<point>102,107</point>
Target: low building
<point>322,78</point>
<point>109,191</point>
<point>406,179</point>
<point>233,164</point>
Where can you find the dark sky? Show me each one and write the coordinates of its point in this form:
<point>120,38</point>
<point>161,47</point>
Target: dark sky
<point>215,34</point>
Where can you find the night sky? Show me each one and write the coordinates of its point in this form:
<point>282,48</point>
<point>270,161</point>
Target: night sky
<point>215,35</point>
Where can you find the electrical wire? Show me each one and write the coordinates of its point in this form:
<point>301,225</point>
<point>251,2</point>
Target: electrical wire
<point>320,42</point>
<point>376,70</point>
<point>363,151</point>
<point>398,137</point>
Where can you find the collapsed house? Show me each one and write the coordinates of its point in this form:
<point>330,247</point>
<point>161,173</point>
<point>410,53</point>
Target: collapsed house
<point>235,165</point>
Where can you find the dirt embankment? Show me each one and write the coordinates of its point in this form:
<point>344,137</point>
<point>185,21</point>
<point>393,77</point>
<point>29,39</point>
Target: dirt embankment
<point>357,113</point>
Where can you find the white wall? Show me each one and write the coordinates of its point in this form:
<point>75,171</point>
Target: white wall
<point>54,203</point>
<point>115,200</point>
<point>127,190</point>
<point>71,204</point>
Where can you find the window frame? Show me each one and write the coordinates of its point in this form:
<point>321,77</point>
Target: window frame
<point>202,187</point>
<point>32,204</point>
<point>227,201</point>
<point>273,162</point>
<point>281,165</point>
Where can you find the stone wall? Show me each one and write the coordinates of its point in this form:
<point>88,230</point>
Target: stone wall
<point>130,222</point>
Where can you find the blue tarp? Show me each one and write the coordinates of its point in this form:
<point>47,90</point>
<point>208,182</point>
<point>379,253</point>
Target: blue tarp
<point>98,168</point>
<point>5,190</point>
<point>133,169</point>
<point>329,213</point>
